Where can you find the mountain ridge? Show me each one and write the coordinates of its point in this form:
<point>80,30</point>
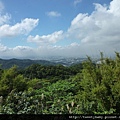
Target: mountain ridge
<point>22,63</point>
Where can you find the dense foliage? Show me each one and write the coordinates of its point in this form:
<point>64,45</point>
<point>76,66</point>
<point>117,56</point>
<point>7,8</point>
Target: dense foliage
<point>50,72</point>
<point>80,89</point>
<point>22,63</point>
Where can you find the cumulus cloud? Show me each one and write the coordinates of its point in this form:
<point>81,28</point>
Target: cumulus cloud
<point>18,51</point>
<point>46,39</point>
<point>98,31</point>
<point>72,50</point>
<point>115,7</point>
<point>4,18</point>
<point>40,52</point>
<point>22,48</point>
<point>3,48</point>
<point>24,27</point>
<point>53,14</point>
<point>100,27</point>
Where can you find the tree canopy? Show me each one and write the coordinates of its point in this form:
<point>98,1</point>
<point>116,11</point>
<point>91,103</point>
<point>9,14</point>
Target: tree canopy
<point>80,89</point>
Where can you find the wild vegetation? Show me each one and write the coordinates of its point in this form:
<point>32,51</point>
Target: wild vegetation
<point>85,88</point>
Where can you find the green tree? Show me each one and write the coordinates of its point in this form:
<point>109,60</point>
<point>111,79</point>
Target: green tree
<point>11,80</point>
<point>99,86</point>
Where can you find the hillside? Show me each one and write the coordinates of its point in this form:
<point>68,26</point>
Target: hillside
<point>22,63</point>
<point>79,89</point>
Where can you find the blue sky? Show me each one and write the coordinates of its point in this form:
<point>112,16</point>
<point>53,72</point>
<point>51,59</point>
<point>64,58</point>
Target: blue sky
<point>71,28</point>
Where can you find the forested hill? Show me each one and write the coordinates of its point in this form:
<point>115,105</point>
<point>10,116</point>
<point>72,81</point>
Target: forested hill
<point>87,88</point>
<point>22,63</point>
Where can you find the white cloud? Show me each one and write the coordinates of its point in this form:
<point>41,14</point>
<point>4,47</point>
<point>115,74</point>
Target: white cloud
<point>46,39</point>
<point>26,26</point>
<point>4,18</point>
<point>115,7</point>
<point>77,2</point>
<point>48,51</point>
<point>99,31</point>
<point>74,44</point>
<point>18,51</point>
<point>22,48</point>
<point>3,48</point>
<point>72,50</point>
<point>53,14</point>
<point>37,53</point>
<point>101,27</point>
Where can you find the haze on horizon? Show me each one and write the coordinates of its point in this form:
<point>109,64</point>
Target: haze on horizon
<point>69,28</point>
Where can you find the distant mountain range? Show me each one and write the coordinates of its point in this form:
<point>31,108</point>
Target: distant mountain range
<point>22,63</point>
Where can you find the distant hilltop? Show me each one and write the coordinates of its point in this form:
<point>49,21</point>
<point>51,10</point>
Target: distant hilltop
<point>23,63</point>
